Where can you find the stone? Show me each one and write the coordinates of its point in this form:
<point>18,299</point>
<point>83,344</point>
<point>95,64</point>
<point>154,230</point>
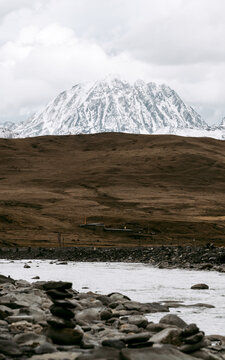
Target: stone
<point>6,279</point>
<point>115,296</point>
<point>194,338</point>
<point>15,318</point>
<point>154,354</point>
<point>3,323</point>
<point>25,298</point>
<point>189,348</point>
<point>106,314</point>
<point>105,300</point>
<point>138,320</point>
<point>145,307</point>
<point>152,327</point>
<point>66,336</point>
<point>168,336</point>
<point>209,306</point>
<point>56,294</point>
<point>132,305</point>
<point>24,326</point>
<point>45,348</point>
<point>30,339</point>
<point>22,284</point>
<point>200,287</point>
<point>140,345</point>
<point>137,338</point>
<point>116,305</point>
<point>60,323</point>
<point>87,315</point>
<point>129,328</point>
<point>14,302</point>
<point>86,328</point>
<point>36,312</point>
<point>90,302</point>
<point>11,305</point>
<point>57,285</point>
<point>65,304</point>
<point>190,330</point>
<point>5,335</point>
<point>114,343</point>
<point>36,277</point>
<point>61,312</point>
<point>26,266</point>
<point>172,319</point>
<point>122,313</point>
<point>5,312</point>
<point>219,338</point>
<point>10,348</point>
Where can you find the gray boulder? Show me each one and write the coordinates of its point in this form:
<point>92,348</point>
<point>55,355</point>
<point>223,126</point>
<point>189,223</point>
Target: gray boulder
<point>172,319</point>
<point>138,320</point>
<point>168,336</point>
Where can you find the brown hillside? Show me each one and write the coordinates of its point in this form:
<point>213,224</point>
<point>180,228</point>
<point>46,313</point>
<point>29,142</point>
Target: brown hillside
<point>173,188</point>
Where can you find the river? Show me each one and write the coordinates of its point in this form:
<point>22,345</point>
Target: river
<point>141,282</point>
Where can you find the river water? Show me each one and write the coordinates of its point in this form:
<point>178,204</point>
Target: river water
<point>141,282</point>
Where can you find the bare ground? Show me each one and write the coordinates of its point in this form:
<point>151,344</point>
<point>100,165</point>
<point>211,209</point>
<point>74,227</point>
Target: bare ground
<point>173,188</point>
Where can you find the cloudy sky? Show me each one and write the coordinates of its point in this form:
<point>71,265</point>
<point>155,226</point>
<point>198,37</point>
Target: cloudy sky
<point>47,46</point>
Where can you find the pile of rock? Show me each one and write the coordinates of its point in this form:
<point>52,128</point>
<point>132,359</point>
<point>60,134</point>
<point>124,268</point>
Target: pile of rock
<point>192,339</point>
<point>49,320</point>
<point>206,257</point>
<point>61,324</point>
<point>187,338</point>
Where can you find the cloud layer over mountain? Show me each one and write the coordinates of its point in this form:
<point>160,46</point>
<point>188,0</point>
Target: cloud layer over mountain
<point>49,45</point>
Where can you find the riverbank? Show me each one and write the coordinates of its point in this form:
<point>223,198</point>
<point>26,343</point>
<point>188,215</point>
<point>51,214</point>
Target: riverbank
<point>206,257</point>
<point>50,320</point>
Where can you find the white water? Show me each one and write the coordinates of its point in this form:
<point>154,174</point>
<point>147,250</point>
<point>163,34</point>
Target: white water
<point>140,282</point>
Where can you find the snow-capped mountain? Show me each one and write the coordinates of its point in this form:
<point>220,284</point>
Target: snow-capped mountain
<point>115,105</point>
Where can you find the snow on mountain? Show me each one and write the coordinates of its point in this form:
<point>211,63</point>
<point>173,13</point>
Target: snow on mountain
<point>222,124</point>
<point>5,133</point>
<point>115,105</point>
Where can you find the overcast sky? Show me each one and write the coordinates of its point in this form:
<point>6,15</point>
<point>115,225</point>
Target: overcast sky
<point>47,46</point>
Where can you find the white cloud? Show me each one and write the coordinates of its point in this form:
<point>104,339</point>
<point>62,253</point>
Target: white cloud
<point>47,46</point>
<point>42,62</point>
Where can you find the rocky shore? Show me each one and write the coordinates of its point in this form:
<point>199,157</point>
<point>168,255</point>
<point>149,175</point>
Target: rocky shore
<point>206,257</point>
<point>50,320</point>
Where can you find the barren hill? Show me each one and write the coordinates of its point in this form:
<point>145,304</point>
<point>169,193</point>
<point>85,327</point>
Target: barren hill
<point>167,189</point>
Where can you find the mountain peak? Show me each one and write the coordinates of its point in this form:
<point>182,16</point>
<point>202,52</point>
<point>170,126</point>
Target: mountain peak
<point>114,104</point>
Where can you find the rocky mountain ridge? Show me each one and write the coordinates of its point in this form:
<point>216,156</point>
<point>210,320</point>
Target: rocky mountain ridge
<point>115,105</point>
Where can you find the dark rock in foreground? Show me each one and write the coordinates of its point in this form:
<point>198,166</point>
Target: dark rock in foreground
<point>44,326</point>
